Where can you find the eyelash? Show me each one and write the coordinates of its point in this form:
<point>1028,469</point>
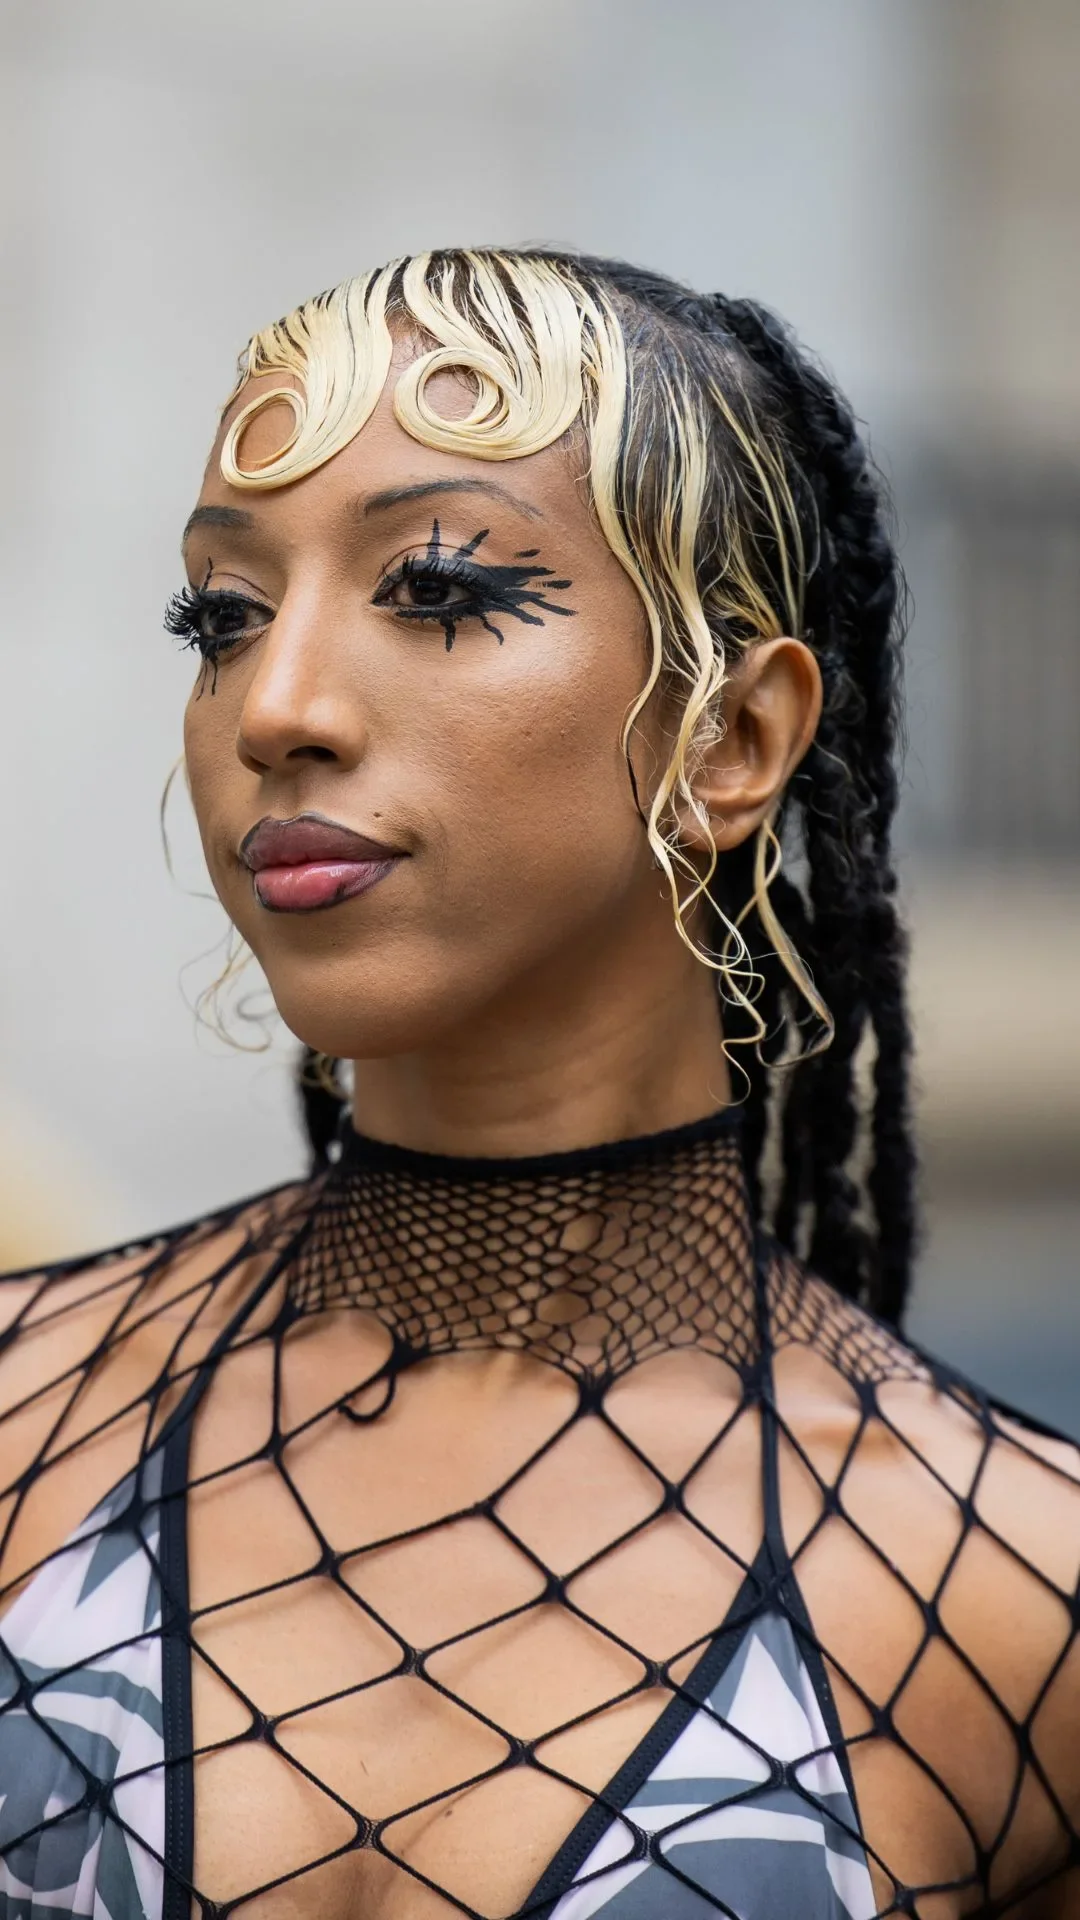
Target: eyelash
<point>416,569</point>
<point>511,592</point>
<point>187,610</point>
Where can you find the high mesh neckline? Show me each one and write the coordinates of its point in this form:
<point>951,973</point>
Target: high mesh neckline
<point>358,1151</point>
<point>594,1257</point>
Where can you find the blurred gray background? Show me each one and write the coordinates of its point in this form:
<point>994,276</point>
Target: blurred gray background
<point>901,179</point>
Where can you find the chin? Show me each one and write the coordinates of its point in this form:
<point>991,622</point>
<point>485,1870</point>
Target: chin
<point>370,1026</point>
<point>359,1008</point>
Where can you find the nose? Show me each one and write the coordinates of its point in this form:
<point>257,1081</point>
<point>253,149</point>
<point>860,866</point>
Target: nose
<point>303,702</point>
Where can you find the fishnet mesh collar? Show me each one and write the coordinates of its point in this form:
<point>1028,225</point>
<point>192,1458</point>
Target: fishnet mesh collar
<point>594,1258</point>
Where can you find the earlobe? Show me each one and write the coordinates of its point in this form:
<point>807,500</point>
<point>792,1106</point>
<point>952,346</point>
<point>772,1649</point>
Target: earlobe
<point>771,708</point>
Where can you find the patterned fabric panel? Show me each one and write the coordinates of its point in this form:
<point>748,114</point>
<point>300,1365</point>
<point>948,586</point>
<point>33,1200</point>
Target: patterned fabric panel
<point>81,1737</point>
<point>748,1810</point>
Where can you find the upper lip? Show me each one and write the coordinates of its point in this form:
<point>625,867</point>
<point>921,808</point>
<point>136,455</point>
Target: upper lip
<point>291,843</point>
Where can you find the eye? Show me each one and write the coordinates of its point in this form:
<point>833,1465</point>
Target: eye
<point>213,619</point>
<point>449,587</point>
<point>227,616</point>
<point>428,590</point>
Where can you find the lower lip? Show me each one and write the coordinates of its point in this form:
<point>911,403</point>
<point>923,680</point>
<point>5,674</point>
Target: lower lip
<point>318,883</point>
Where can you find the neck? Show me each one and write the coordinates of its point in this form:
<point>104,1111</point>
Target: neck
<point>559,1063</point>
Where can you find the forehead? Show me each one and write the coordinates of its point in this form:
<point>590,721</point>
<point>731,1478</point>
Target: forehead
<point>548,485</point>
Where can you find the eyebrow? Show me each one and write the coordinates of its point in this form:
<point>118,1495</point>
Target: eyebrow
<point>234,517</point>
<point>239,519</point>
<point>424,489</point>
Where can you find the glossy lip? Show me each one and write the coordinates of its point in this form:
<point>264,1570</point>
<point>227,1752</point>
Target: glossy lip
<point>307,837</point>
<point>308,863</point>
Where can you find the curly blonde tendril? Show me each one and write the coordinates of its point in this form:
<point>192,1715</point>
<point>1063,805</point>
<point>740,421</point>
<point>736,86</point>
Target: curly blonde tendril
<point>179,765</point>
<point>683,642</point>
<point>238,954</point>
<point>660,552</point>
<point>208,1013</point>
<point>768,859</point>
<point>321,1071</point>
<point>545,350</point>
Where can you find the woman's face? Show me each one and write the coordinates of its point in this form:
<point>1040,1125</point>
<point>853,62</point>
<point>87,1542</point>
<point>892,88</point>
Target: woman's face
<point>435,654</point>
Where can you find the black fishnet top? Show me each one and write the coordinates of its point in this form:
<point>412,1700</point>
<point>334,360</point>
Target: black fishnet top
<point>528,1537</point>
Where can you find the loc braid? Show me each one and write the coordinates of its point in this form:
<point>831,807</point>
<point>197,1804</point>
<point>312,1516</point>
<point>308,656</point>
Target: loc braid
<point>320,1110</point>
<point>848,790</point>
<point>794,1159</point>
<point>838,1245</point>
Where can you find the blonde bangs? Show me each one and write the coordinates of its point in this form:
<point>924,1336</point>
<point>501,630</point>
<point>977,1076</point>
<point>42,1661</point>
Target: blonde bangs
<point>520,330</point>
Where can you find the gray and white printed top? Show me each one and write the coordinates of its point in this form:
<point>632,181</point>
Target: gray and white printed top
<point>81,1680</point>
<point>717,1783</point>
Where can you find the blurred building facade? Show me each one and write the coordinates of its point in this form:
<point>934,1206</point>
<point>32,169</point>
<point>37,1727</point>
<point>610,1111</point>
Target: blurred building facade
<point>900,180</point>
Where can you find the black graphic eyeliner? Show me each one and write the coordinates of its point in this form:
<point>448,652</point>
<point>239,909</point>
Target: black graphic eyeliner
<point>184,617</point>
<point>513,592</point>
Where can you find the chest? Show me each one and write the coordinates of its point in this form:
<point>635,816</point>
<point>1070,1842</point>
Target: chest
<point>426,1632</point>
<point>425,1642</point>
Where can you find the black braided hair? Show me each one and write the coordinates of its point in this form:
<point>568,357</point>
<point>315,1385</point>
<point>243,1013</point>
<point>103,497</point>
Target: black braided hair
<point>847,791</point>
<point>836,821</point>
<point>320,1109</point>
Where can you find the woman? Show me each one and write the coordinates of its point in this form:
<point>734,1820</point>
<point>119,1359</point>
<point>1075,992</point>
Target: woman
<point>506,1520</point>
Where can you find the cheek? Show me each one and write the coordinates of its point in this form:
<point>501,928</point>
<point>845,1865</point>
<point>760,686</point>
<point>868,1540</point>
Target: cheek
<point>533,771</point>
<point>210,759</point>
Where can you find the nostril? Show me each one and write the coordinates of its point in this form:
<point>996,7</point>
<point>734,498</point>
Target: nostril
<point>311,752</point>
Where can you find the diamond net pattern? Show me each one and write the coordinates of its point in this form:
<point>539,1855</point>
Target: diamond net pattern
<point>466,1467</point>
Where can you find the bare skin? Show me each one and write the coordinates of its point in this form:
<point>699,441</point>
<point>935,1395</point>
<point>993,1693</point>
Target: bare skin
<point>516,985</point>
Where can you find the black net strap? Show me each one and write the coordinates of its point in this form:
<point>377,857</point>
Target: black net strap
<point>451,1520</point>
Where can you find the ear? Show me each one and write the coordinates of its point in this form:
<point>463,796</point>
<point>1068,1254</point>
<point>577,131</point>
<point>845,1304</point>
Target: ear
<point>771,707</point>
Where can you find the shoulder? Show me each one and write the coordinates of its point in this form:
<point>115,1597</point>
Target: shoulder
<point>96,1352</point>
<point>846,1377</point>
<point>88,1305</point>
<point>953,1528</point>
